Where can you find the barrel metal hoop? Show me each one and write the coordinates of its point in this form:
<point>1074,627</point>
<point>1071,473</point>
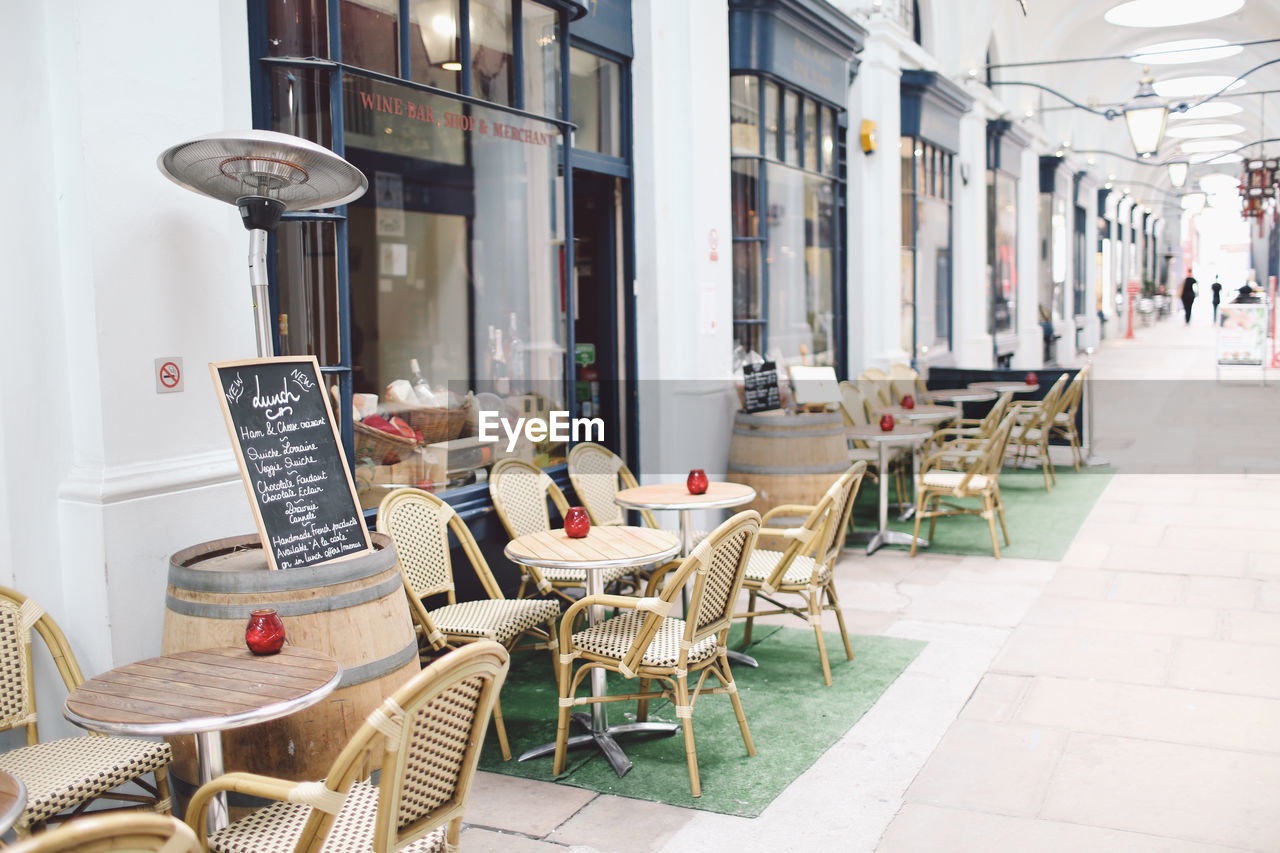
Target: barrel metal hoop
<point>787,470</point>
<point>393,585</point>
<point>329,574</point>
<point>375,669</point>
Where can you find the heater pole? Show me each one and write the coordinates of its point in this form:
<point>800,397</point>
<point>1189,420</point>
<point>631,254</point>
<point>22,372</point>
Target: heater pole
<point>261,298</point>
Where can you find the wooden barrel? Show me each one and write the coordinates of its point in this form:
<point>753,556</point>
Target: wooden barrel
<point>352,609</point>
<point>787,459</point>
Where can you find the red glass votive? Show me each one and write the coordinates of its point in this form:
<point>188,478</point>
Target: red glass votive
<point>576,522</point>
<point>697,482</point>
<point>1032,379</point>
<point>886,423</point>
<point>265,632</point>
<point>908,402</point>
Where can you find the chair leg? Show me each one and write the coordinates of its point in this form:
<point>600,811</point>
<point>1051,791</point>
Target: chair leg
<point>751,620</point>
<point>815,619</point>
<point>935,499</point>
<point>1000,513</point>
<point>988,510</point>
<point>562,721</point>
<point>921,499</point>
<point>684,711</point>
<point>164,802</point>
<point>501,729</point>
<point>835,605</point>
<point>737,703</point>
<point>642,705</point>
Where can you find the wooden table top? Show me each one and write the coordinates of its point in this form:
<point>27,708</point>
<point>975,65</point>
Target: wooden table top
<point>606,546</point>
<point>900,432</point>
<point>1000,387</point>
<point>202,691</point>
<point>13,800</point>
<point>963,395</point>
<point>676,496</point>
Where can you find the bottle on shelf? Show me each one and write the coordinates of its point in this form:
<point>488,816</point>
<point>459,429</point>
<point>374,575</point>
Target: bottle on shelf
<point>420,387</point>
<point>499,373</point>
<point>516,358</point>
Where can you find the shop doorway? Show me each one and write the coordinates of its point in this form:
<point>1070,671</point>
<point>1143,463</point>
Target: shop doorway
<point>600,324</point>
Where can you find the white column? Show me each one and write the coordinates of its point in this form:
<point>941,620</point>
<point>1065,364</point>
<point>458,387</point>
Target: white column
<point>971,340</point>
<point>1030,351</point>
<point>684,323</point>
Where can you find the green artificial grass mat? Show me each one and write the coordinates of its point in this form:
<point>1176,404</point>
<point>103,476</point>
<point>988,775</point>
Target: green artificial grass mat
<point>793,718</point>
<point>1042,525</point>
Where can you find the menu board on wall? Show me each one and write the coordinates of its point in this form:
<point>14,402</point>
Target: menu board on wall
<point>760,387</point>
<point>287,446</point>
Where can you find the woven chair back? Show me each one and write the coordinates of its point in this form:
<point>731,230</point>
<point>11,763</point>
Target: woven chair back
<point>1074,393</point>
<point>418,524</point>
<point>519,492</point>
<point>843,492</point>
<point>18,616</point>
<point>722,563</point>
<point>903,379</point>
<point>875,389</point>
<point>1043,414</point>
<point>993,457</point>
<point>853,404</point>
<point>594,472</point>
<point>134,831</point>
<point>432,730</point>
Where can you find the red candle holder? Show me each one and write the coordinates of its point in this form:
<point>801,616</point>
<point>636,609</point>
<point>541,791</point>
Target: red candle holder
<point>886,423</point>
<point>697,482</point>
<point>1032,379</point>
<point>576,522</point>
<point>265,632</point>
<point>908,402</point>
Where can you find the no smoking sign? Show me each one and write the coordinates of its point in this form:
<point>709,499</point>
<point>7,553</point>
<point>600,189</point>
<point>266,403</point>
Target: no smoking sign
<point>168,374</point>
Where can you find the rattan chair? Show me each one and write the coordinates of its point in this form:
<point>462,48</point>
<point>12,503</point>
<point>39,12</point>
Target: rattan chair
<point>801,561</point>
<point>520,492</point>
<point>1064,422</point>
<point>68,773</point>
<point>597,474</point>
<point>904,380</point>
<point>428,735</point>
<point>982,427</point>
<point>876,388</point>
<point>419,523</point>
<point>643,642</point>
<point>115,832</point>
<point>1032,428</point>
<point>853,405</point>
<point>980,480</point>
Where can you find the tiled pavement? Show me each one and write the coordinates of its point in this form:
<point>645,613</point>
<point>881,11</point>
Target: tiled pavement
<point>1124,699</point>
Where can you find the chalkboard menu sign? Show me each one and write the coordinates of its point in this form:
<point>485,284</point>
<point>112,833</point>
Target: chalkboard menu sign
<point>282,429</point>
<point>760,387</point>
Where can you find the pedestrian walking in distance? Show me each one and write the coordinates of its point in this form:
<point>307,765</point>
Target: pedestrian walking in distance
<point>1188,295</point>
<point>1216,287</point>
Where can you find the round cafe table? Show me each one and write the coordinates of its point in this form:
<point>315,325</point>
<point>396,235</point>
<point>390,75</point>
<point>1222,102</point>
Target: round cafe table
<point>1000,386</point>
<point>675,496</point>
<point>921,413</point>
<point>959,396</point>
<point>908,434</point>
<point>13,800</point>
<point>203,693</point>
<point>605,547</point>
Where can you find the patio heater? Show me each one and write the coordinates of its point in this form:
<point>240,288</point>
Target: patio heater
<point>263,173</point>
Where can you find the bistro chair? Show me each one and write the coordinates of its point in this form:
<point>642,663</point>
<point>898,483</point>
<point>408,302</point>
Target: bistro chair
<point>520,492</point>
<point>853,405</point>
<point>875,387</point>
<point>980,480</point>
<point>99,833</point>
<point>800,561</point>
<point>68,773</point>
<point>419,524</point>
<point>643,642</point>
<point>428,735</point>
<point>982,427</point>
<point>1032,428</point>
<point>904,380</point>
<point>1064,422</point>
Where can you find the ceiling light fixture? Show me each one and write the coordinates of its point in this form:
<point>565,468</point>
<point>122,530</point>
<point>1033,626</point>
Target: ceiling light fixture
<point>1185,51</point>
<point>1178,169</point>
<point>1169,13</point>
<point>1205,131</point>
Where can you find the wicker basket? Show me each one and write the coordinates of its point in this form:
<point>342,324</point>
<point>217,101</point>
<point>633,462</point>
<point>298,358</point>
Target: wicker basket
<point>435,424</point>
<point>382,447</point>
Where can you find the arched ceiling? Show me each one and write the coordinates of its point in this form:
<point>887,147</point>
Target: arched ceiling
<point>1058,29</point>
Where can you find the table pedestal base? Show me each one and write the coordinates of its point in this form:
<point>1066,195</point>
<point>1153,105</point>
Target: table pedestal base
<point>604,741</point>
<point>887,537</point>
<point>209,753</point>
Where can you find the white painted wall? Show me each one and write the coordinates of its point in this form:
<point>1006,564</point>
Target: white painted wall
<point>971,295</point>
<point>111,266</point>
<point>1030,350</point>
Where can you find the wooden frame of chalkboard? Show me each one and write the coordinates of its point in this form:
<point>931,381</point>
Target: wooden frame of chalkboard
<point>286,443</point>
<point>760,387</point>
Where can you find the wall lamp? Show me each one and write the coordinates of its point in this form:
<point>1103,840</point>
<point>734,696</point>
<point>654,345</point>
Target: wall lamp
<point>1145,115</point>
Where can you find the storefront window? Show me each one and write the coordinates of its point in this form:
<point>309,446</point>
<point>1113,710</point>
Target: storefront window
<point>926,237</point>
<point>448,275</point>
<point>785,262</point>
<point>1002,249</point>
<point>596,102</point>
<point>744,114</point>
<point>435,44</point>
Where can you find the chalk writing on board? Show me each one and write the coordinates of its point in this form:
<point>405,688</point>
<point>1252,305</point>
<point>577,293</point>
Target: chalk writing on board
<point>303,499</point>
<point>760,387</point>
